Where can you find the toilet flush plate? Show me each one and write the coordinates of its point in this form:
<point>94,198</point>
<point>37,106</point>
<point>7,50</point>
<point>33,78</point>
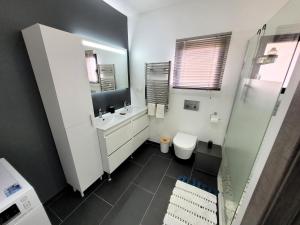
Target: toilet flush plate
<point>191,105</point>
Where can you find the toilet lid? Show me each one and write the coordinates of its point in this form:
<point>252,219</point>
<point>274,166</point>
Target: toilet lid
<point>185,141</point>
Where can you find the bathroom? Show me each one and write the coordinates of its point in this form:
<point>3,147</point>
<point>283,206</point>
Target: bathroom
<point>99,141</point>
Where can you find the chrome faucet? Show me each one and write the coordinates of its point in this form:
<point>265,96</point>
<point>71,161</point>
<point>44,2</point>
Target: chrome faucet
<point>100,114</point>
<point>125,105</point>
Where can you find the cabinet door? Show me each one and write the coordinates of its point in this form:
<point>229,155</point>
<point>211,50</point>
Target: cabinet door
<point>117,138</point>
<point>65,55</point>
<point>84,145</point>
<point>140,138</point>
<point>139,124</point>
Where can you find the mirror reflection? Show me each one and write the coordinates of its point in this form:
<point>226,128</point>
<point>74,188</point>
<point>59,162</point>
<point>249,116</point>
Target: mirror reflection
<point>107,67</point>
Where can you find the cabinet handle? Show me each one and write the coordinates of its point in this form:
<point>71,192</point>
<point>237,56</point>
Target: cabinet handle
<point>139,117</point>
<point>92,120</point>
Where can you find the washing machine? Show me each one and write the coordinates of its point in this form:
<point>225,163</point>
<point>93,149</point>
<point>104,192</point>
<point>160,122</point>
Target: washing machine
<point>19,203</point>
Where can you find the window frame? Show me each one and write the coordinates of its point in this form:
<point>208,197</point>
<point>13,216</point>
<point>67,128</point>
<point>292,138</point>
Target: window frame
<point>224,59</point>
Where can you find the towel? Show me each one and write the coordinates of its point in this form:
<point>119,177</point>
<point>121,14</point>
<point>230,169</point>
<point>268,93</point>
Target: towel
<point>160,111</point>
<point>151,109</point>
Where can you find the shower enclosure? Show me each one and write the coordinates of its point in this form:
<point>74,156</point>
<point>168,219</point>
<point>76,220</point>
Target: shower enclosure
<point>268,65</point>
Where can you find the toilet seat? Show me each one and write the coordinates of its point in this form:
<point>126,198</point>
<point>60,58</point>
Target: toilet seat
<point>185,141</point>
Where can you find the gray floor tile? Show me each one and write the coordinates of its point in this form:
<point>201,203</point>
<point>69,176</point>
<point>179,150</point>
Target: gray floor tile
<point>180,168</point>
<point>95,185</point>
<point>90,212</point>
<point>142,155</point>
<point>207,179</point>
<point>121,178</point>
<point>159,205</point>
<point>65,202</point>
<point>156,148</point>
<point>152,173</point>
<point>130,209</point>
<point>168,155</point>
<point>52,217</point>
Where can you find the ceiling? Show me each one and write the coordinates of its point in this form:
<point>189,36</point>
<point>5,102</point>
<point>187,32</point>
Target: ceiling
<point>140,6</point>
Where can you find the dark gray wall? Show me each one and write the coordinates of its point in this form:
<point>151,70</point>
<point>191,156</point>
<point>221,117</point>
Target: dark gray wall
<point>25,137</point>
<point>108,98</point>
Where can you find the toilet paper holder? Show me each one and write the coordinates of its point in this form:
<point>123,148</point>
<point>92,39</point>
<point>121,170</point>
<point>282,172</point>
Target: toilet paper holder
<point>214,117</point>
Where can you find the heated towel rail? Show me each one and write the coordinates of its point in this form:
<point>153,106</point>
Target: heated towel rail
<point>157,77</point>
<point>107,77</point>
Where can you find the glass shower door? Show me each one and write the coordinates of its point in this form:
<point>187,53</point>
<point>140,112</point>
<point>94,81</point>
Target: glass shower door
<point>260,85</point>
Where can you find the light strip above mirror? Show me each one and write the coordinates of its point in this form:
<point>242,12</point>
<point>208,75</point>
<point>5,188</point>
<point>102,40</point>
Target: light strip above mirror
<point>104,47</point>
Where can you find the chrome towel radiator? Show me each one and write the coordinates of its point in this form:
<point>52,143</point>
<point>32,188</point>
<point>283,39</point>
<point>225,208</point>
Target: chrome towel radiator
<point>157,77</point>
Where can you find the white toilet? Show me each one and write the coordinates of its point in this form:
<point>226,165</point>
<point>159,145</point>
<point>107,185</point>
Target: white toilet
<point>184,145</point>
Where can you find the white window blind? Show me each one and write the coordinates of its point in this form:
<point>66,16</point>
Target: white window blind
<point>200,62</point>
<point>91,62</point>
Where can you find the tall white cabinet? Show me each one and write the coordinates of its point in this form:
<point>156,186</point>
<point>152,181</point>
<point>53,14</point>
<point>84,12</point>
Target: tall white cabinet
<point>58,62</point>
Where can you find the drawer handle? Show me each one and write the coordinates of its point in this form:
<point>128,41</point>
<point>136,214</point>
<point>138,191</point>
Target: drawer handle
<point>119,147</point>
<point>141,131</point>
<point>139,117</point>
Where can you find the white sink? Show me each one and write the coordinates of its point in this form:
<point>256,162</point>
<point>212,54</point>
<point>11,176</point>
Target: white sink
<point>109,120</point>
<point>125,111</point>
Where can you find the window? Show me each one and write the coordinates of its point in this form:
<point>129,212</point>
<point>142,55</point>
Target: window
<point>275,59</point>
<point>200,62</point>
<point>91,62</point>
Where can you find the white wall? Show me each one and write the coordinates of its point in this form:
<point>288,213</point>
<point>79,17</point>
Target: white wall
<point>154,40</point>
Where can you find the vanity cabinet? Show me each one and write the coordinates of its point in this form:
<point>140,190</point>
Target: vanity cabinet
<point>58,62</point>
<point>120,141</point>
<point>115,138</point>
<point>139,123</point>
<point>140,138</point>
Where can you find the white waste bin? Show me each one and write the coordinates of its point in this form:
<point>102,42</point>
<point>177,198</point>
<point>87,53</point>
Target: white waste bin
<point>165,144</point>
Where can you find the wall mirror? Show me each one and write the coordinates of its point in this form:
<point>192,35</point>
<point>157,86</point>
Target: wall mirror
<point>107,67</point>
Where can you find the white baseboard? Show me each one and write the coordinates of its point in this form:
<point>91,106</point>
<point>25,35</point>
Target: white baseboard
<point>153,140</point>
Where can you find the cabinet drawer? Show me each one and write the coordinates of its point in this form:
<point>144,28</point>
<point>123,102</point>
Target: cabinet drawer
<point>119,156</point>
<point>139,124</point>
<point>140,138</point>
<point>117,138</point>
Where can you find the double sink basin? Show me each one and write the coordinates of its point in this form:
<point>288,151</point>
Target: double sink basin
<point>110,120</point>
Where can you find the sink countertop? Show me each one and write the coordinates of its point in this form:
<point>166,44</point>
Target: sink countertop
<point>114,119</point>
